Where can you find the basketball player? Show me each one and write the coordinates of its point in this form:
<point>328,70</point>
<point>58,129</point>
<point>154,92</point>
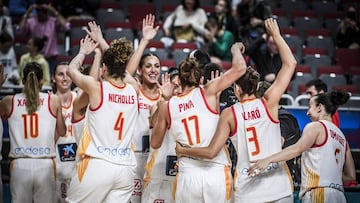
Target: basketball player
<point>34,119</point>
<point>254,130</point>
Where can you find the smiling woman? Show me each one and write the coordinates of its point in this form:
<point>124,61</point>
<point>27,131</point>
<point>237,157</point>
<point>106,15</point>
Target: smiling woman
<point>65,162</point>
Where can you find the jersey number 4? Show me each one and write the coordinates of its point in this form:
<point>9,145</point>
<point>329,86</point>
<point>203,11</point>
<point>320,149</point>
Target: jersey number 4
<point>31,125</point>
<point>119,125</point>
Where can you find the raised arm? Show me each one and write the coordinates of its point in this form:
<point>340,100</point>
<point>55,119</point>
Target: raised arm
<point>277,89</point>
<point>148,33</point>
<point>87,83</point>
<point>82,100</point>
<point>95,33</point>
<point>237,69</point>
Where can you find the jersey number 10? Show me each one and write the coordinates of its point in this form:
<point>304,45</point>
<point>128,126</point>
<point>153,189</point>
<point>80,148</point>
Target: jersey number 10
<point>31,125</point>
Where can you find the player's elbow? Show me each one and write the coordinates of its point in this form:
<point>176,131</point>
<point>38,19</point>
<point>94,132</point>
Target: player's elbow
<point>155,145</point>
<point>211,154</point>
<point>291,62</point>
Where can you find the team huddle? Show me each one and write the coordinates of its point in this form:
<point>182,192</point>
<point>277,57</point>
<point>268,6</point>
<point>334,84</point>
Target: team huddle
<point>123,136</point>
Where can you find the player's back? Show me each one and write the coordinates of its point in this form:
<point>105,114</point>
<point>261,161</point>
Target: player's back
<point>32,135</point>
<point>318,168</point>
<point>109,127</point>
<point>193,124</point>
<point>257,136</point>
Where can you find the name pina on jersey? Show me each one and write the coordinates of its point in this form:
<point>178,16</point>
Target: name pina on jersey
<point>22,102</point>
<point>186,106</point>
<point>122,99</point>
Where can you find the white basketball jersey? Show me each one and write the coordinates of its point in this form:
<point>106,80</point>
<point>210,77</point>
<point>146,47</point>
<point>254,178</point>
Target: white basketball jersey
<point>31,136</point>
<point>155,168</point>
<point>66,145</point>
<point>110,126</point>
<point>193,124</point>
<point>77,128</point>
<point>257,136</point>
<point>142,126</point>
<point>322,165</point>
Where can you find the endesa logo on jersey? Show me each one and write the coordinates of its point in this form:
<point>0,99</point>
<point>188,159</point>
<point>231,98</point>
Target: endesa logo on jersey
<point>32,151</point>
<point>114,151</point>
<point>67,152</point>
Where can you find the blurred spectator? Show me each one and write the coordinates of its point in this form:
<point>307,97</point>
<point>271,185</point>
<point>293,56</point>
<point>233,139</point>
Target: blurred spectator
<point>77,8</point>
<point>251,15</point>
<point>17,8</point>
<point>47,22</point>
<point>234,4</point>
<point>348,32</point>
<point>35,45</point>
<point>8,58</point>
<point>219,41</point>
<point>5,20</point>
<point>186,24</point>
<point>224,15</point>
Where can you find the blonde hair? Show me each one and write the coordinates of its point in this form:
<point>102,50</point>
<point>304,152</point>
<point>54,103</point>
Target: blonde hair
<point>32,76</point>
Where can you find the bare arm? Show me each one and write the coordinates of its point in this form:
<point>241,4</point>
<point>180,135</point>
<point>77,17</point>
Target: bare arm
<point>82,100</point>
<point>87,83</point>
<point>223,130</point>
<point>26,15</point>
<point>148,33</point>
<point>60,129</point>
<point>63,21</point>
<point>237,69</point>
<point>349,173</point>
<point>277,89</point>
<point>160,127</point>
<point>308,138</point>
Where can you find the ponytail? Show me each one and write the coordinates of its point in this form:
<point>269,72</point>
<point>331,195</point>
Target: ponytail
<point>33,74</point>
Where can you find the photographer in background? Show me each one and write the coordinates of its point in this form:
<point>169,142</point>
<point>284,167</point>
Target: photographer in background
<point>348,32</point>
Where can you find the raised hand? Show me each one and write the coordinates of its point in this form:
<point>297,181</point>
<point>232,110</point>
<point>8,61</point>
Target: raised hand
<point>148,29</point>
<point>166,87</point>
<point>271,26</point>
<point>236,46</point>
<point>87,45</point>
<point>95,31</point>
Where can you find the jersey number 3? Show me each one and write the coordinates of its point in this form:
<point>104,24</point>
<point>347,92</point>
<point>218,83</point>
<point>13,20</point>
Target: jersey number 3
<point>254,139</point>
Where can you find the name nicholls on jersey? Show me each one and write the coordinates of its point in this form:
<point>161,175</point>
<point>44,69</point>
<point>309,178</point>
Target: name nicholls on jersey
<point>22,102</point>
<point>121,99</point>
